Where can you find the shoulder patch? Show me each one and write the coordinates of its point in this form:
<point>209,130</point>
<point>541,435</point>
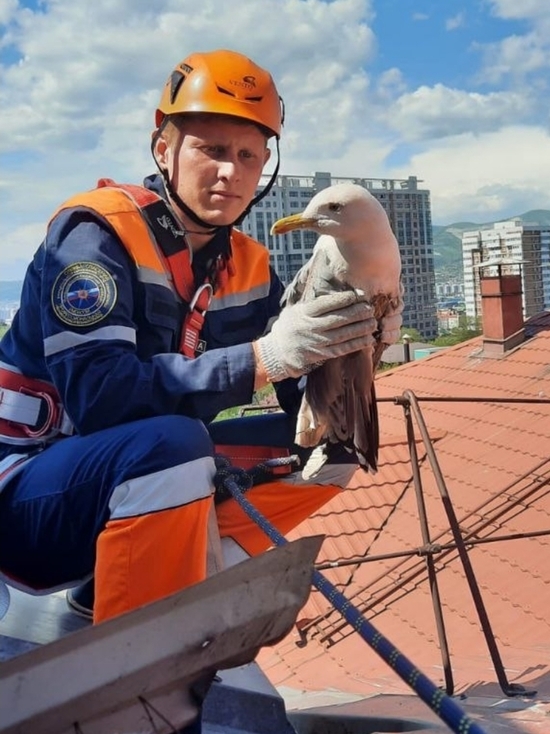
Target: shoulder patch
<point>83,294</point>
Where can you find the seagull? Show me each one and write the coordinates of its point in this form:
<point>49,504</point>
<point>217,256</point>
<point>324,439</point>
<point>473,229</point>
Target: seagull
<point>356,250</point>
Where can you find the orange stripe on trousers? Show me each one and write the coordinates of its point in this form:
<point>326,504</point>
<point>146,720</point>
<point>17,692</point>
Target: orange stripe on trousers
<point>142,559</point>
<point>284,505</point>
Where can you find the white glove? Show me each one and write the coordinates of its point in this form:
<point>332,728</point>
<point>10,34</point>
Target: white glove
<point>390,326</point>
<point>307,333</point>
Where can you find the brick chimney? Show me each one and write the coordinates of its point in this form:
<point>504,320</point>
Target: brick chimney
<point>502,311</point>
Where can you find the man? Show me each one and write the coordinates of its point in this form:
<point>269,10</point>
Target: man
<point>143,315</point>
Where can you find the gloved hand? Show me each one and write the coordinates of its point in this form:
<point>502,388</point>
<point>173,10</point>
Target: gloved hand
<point>390,326</point>
<point>307,333</point>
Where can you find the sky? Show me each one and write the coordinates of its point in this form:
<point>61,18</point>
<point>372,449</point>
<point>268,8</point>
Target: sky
<point>455,92</point>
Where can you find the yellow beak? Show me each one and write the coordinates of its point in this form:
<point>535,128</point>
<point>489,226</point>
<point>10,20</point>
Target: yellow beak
<point>294,221</point>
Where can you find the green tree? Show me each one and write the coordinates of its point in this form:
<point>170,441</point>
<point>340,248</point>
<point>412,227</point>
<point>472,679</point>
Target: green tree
<point>414,334</point>
<point>467,328</point>
<point>263,399</point>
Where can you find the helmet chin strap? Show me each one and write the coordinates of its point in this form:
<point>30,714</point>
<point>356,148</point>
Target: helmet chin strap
<point>265,191</point>
<point>183,206</point>
<point>189,212</point>
<point>173,193</point>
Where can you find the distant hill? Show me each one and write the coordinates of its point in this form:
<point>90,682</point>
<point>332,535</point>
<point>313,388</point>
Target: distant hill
<point>448,243</point>
<point>535,216</point>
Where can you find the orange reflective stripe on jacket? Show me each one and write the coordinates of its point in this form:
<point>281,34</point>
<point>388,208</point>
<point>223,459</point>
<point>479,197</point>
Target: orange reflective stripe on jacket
<point>246,277</point>
<point>249,273</point>
<point>123,214</point>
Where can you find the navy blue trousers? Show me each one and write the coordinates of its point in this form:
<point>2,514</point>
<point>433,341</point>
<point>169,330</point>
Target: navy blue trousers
<point>53,511</point>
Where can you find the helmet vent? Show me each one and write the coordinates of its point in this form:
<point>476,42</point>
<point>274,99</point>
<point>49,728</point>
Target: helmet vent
<point>232,94</point>
<point>226,91</point>
<point>176,80</point>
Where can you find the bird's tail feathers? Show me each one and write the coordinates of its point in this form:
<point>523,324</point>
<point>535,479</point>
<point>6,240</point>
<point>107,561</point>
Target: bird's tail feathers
<point>354,416</point>
<point>339,406</point>
<point>367,434</point>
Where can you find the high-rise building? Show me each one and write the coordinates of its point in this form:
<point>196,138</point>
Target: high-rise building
<point>514,247</point>
<point>408,210</point>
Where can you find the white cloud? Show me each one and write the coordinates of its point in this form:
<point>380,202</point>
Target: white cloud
<point>456,21</point>
<point>7,11</point>
<point>515,57</point>
<point>81,59</point>
<point>84,64</point>
<point>512,9</point>
<point>79,103</point>
<point>483,177</point>
<point>438,111</point>
<point>19,248</point>
<point>390,85</point>
<point>518,55</point>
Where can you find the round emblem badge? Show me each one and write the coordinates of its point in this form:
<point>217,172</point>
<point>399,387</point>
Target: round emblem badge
<point>83,294</point>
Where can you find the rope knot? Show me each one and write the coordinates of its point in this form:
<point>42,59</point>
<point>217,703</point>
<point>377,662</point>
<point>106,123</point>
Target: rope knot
<point>229,478</point>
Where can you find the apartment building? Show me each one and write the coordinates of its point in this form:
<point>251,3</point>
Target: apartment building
<point>515,248</point>
<point>408,210</point>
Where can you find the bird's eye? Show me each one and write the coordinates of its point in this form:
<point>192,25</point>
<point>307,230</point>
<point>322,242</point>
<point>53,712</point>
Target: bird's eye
<point>334,207</point>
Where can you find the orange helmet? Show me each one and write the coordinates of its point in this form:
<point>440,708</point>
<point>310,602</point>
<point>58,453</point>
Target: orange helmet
<point>223,83</point>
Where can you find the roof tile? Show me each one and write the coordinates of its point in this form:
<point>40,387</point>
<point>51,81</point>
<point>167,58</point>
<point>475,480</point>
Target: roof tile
<point>495,460</point>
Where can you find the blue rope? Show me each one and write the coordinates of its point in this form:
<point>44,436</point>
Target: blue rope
<point>438,701</point>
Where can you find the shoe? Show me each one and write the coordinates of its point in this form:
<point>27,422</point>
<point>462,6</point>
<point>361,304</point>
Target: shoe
<point>80,599</point>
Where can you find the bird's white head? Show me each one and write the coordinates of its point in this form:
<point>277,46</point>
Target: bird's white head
<point>343,211</point>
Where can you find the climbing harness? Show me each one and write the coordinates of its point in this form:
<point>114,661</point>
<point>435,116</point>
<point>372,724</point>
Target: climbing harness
<point>30,409</point>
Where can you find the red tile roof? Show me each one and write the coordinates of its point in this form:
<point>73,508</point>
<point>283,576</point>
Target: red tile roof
<point>495,460</point>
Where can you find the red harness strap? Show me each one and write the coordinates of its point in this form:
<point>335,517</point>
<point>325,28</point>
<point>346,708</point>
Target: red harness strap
<point>179,264</point>
<point>30,409</point>
<point>248,457</point>
<point>195,319</point>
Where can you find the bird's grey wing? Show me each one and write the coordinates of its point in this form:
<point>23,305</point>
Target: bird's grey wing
<point>353,415</point>
<point>361,408</point>
<point>353,419</point>
<point>297,287</point>
<point>339,406</point>
<point>315,278</point>
<point>339,403</point>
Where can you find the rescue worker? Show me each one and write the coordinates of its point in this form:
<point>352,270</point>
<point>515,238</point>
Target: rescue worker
<point>144,313</point>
